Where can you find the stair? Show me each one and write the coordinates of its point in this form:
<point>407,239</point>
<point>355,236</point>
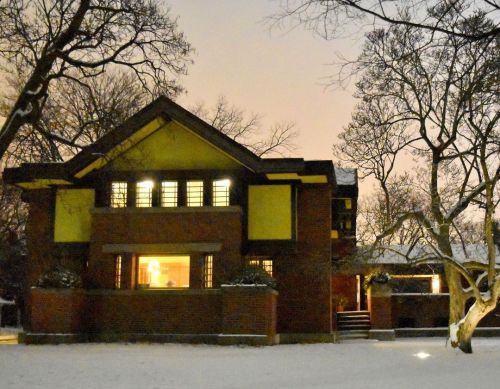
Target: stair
<point>353,325</point>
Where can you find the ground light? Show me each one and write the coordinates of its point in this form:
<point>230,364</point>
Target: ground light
<point>422,355</point>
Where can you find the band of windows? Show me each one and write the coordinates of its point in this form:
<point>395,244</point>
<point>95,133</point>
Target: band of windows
<point>169,193</point>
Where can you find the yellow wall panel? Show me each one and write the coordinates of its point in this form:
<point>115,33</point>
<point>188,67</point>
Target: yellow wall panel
<point>73,218</point>
<point>269,212</point>
<point>175,147</point>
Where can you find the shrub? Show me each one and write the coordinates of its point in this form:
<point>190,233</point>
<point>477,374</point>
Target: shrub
<point>60,278</point>
<point>254,275</point>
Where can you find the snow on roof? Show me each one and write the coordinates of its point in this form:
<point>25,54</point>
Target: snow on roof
<point>396,254</point>
<point>345,176</point>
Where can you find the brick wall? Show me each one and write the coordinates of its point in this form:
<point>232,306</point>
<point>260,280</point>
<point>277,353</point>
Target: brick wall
<point>39,234</point>
<point>303,279</point>
<point>58,311</point>
<point>157,226</point>
<point>345,285</point>
<point>174,312</point>
<point>430,310</point>
<point>235,310</point>
<point>249,310</point>
<point>379,305</point>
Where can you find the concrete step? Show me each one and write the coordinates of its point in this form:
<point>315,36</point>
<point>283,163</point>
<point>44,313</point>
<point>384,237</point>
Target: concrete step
<point>353,318</point>
<point>353,334</point>
<point>354,313</point>
<point>354,327</point>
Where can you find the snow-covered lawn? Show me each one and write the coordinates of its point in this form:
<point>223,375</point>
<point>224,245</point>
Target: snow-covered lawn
<point>364,365</point>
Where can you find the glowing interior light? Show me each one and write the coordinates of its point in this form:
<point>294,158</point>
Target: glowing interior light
<point>436,284</point>
<point>147,184</point>
<point>154,272</point>
<point>422,355</point>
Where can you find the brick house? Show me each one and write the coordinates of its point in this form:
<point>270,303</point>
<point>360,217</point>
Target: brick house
<point>159,214</point>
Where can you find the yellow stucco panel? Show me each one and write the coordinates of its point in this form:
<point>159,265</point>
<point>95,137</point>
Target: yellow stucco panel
<point>42,183</point>
<point>72,215</point>
<point>173,146</point>
<point>269,212</point>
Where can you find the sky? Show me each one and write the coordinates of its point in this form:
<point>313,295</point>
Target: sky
<point>281,74</point>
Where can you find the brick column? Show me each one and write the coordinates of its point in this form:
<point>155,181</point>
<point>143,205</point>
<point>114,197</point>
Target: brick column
<point>379,305</point>
<point>249,310</point>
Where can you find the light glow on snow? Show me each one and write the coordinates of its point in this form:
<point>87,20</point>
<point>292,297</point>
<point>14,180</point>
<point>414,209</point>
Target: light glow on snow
<point>422,355</point>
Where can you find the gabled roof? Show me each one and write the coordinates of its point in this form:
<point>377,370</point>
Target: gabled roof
<point>164,110</point>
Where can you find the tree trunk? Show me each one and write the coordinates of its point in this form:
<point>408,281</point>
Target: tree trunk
<point>461,332</point>
<point>457,300</point>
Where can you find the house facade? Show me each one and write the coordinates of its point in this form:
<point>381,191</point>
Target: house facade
<point>164,211</point>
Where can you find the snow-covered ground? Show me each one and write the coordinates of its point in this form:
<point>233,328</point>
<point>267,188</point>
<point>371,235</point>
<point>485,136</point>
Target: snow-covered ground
<point>410,363</point>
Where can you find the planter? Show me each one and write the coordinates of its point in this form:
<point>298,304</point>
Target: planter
<point>249,310</point>
<point>56,310</point>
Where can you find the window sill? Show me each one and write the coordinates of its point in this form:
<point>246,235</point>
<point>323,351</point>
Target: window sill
<point>132,210</point>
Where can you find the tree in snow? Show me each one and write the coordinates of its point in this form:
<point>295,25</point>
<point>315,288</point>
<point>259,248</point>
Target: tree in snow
<point>75,115</point>
<point>435,98</point>
<point>50,41</point>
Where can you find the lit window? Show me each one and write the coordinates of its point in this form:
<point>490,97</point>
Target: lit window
<point>163,272</point>
<point>118,272</point>
<point>208,271</point>
<point>144,194</point>
<point>265,264</point>
<point>169,194</point>
<point>118,195</point>
<point>221,193</point>
<point>195,193</point>
<point>348,204</point>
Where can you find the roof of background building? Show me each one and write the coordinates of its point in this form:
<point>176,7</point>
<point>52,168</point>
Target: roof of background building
<point>396,254</point>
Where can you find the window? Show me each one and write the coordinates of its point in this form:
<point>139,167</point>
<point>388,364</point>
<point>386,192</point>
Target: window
<point>221,193</point>
<point>195,193</point>
<point>264,263</point>
<point>144,194</point>
<point>208,271</point>
<point>169,194</point>
<point>343,217</point>
<point>171,271</point>
<point>118,272</point>
<point>118,195</point>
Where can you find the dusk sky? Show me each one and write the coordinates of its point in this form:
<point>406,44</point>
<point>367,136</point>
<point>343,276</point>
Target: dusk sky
<point>278,73</point>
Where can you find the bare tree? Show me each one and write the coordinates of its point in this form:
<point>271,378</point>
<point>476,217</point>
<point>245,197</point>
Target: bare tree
<point>377,212</point>
<point>75,116</point>
<point>329,18</point>
<point>47,41</point>
<point>444,98</point>
<point>244,129</point>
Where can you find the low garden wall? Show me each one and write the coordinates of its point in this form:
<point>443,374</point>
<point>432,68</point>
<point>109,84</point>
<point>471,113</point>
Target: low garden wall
<point>126,314</point>
<point>414,310</point>
<point>417,310</point>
